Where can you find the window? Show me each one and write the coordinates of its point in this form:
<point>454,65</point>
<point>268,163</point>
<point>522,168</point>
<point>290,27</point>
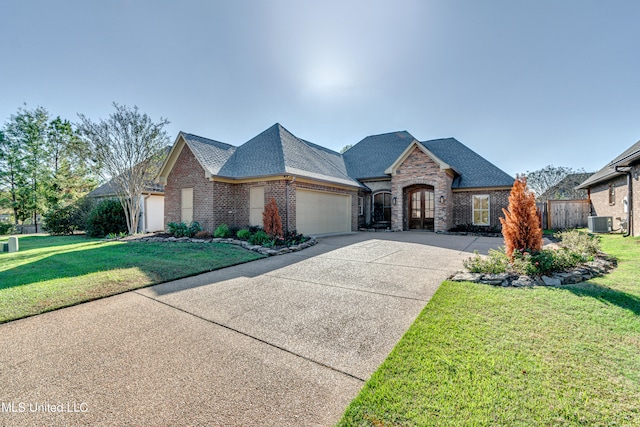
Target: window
<point>186,205</point>
<point>360,206</point>
<point>256,206</point>
<point>612,194</point>
<point>382,207</point>
<point>481,209</point>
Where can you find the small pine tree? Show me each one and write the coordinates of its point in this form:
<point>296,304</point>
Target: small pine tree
<point>271,219</point>
<point>521,224</point>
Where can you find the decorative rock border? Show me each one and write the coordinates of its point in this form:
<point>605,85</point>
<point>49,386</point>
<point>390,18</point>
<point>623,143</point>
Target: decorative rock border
<point>256,248</point>
<point>601,265</point>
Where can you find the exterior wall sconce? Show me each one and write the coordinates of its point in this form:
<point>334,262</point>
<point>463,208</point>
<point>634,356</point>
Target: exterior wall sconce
<point>442,199</point>
<point>394,200</point>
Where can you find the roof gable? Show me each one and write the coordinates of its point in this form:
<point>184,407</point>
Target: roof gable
<point>391,170</point>
<point>209,153</point>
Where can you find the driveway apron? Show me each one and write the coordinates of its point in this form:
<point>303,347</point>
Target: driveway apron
<point>287,340</point>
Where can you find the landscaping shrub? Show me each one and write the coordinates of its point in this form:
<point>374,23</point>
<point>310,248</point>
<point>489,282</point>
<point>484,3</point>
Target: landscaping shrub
<point>106,217</point>
<point>59,220</point>
<point>521,224</point>
<point>579,242</point>
<point>495,263</point>
<point>222,231</point>
<point>6,228</point>
<point>180,229</point>
<point>271,219</point>
<point>243,234</point>
<point>260,237</point>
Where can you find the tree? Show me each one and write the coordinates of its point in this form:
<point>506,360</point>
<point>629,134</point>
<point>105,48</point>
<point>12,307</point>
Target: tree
<point>27,148</point>
<point>345,148</point>
<point>521,223</point>
<point>71,175</point>
<point>271,219</point>
<point>11,175</point>
<point>539,181</point>
<point>126,148</point>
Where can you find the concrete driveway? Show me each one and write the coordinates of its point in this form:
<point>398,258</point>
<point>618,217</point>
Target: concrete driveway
<point>287,340</point>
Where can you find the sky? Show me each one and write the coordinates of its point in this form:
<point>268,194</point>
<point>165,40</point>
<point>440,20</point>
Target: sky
<point>525,84</point>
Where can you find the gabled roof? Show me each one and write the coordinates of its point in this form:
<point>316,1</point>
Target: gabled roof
<point>566,188</point>
<point>276,151</point>
<point>391,170</point>
<point>608,172</point>
<point>211,154</point>
<point>108,189</point>
<point>474,171</point>
<point>374,155</point>
<point>370,157</point>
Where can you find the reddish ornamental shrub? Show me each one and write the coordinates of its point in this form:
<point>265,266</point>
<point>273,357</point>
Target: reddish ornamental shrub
<point>271,219</point>
<point>521,224</point>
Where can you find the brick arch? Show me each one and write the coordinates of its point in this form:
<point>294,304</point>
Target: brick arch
<point>419,181</point>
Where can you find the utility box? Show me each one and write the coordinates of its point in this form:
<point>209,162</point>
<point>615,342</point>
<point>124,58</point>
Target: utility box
<point>13,244</point>
<point>600,224</point>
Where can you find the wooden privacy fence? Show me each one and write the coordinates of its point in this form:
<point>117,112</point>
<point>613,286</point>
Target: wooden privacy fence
<point>561,214</point>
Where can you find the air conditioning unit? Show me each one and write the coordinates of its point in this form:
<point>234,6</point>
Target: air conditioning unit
<point>600,224</point>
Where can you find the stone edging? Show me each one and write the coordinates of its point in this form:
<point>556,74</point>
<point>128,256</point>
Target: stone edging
<point>256,248</point>
<point>601,265</point>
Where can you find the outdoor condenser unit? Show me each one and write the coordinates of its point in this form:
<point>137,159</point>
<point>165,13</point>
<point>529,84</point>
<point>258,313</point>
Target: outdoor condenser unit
<point>600,224</point>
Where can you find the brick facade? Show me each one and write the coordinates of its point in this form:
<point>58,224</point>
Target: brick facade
<point>215,202</point>
<point>600,206</point>
<point>420,169</point>
<point>188,173</point>
<point>463,206</point>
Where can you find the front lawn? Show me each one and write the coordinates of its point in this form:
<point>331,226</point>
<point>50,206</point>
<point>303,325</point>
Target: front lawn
<point>493,356</point>
<point>52,272</point>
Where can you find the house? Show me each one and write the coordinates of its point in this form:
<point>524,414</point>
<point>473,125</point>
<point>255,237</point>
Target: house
<point>614,190</point>
<point>151,204</point>
<point>567,189</point>
<point>390,180</point>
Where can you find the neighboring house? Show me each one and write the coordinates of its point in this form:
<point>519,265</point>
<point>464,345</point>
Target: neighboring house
<point>391,180</point>
<point>614,190</point>
<point>567,189</point>
<point>151,204</point>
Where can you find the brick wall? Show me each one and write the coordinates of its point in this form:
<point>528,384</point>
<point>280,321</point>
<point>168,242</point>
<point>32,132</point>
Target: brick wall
<point>600,206</point>
<point>420,169</point>
<point>463,206</point>
<point>187,173</point>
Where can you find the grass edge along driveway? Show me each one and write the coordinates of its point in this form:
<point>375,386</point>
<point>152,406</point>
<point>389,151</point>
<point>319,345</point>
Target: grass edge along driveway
<point>51,272</point>
<point>483,355</point>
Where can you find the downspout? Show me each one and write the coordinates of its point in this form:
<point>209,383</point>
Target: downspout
<point>629,199</point>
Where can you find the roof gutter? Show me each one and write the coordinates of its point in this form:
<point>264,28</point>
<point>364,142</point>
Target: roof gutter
<point>627,171</point>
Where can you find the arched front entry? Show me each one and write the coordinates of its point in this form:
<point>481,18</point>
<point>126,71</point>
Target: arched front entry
<point>420,207</point>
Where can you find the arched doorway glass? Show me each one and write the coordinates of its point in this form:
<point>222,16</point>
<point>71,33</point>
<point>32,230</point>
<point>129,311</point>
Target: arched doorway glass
<point>421,209</point>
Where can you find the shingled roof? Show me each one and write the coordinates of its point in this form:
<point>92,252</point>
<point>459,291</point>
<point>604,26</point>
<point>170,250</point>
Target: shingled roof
<point>276,151</point>
<point>369,159</point>
<point>629,156</point>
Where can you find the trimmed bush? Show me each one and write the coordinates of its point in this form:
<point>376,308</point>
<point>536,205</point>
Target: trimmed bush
<point>180,229</point>
<point>243,234</point>
<point>260,237</point>
<point>59,220</point>
<point>222,231</point>
<point>105,218</point>
<point>6,228</point>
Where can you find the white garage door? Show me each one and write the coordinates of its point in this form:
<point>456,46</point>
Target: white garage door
<point>318,212</point>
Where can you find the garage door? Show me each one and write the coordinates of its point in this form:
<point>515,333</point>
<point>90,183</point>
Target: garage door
<point>319,212</point>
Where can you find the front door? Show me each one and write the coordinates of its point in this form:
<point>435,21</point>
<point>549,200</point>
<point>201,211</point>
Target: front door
<point>421,209</point>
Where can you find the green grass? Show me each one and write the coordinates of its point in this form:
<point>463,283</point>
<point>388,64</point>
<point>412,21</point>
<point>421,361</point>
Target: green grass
<point>52,272</point>
<point>487,356</point>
